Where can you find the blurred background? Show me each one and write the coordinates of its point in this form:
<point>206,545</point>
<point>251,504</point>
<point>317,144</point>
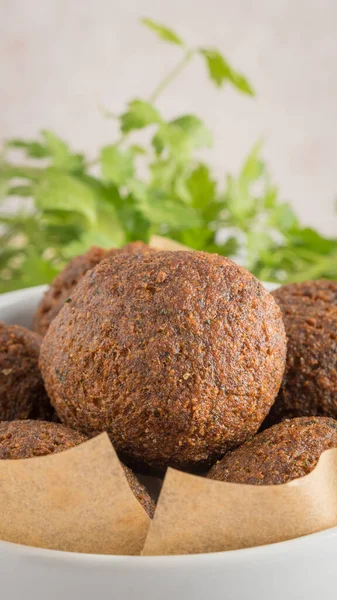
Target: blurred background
<point>64,65</point>
<point>60,60</point>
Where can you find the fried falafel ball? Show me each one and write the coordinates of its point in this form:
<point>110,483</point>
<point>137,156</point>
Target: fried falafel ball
<point>27,439</point>
<point>309,385</point>
<point>61,288</point>
<point>177,355</point>
<point>22,391</point>
<point>140,491</point>
<point>286,451</point>
<point>64,283</point>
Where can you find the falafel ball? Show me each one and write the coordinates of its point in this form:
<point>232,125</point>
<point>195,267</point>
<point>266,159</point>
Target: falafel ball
<point>64,283</point>
<point>26,439</point>
<point>284,452</point>
<point>22,392</point>
<point>179,359</point>
<point>140,491</point>
<point>309,385</point>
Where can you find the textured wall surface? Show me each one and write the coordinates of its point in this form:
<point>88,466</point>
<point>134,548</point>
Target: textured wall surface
<point>61,59</point>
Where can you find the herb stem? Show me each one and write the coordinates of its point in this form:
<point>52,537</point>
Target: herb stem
<point>171,75</point>
<point>92,163</point>
<point>108,114</point>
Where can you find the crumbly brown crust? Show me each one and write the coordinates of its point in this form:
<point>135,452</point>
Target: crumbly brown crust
<point>62,287</point>
<point>26,439</point>
<point>309,386</point>
<point>22,392</point>
<point>178,355</point>
<point>284,452</point>
<point>65,282</point>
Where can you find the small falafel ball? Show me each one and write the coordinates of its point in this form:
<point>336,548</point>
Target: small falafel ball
<point>62,286</point>
<point>22,392</point>
<point>140,491</point>
<point>286,451</point>
<point>27,439</point>
<point>64,283</point>
<point>309,385</point>
<point>177,355</point>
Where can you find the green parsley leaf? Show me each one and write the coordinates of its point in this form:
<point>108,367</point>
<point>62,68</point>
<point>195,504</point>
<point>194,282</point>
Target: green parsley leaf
<point>181,136</point>
<point>137,149</point>
<point>158,209</point>
<point>202,187</point>
<point>164,33</point>
<point>240,202</point>
<point>20,190</point>
<point>253,166</point>
<point>60,153</point>
<point>139,114</point>
<point>51,147</point>
<point>37,270</point>
<point>195,129</point>
<point>221,72</point>
<point>313,240</point>
<point>117,164</point>
<point>173,138</point>
<point>109,225</point>
<point>14,171</point>
<point>87,239</point>
<point>31,148</point>
<point>281,217</point>
<point>61,192</point>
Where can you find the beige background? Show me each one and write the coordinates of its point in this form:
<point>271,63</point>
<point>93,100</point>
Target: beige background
<point>61,59</point>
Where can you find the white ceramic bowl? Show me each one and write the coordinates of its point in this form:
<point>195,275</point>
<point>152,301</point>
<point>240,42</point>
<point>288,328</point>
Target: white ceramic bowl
<point>302,568</point>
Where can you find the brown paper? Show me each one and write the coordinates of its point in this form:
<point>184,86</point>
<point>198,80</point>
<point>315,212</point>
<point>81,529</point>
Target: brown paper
<point>77,500</point>
<point>161,243</point>
<point>80,501</point>
<point>196,515</point>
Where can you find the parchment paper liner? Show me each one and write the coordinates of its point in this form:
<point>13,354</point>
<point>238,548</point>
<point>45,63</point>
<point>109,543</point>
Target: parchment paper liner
<point>80,501</point>
<point>159,242</point>
<point>77,500</point>
<point>197,515</point>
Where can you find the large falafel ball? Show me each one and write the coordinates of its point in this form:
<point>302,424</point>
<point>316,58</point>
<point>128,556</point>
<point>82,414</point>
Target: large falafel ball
<point>27,439</point>
<point>309,385</point>
<point>284,452</point>
<point>177,355</point>
<point>64,283</point>
<point>22,391</point>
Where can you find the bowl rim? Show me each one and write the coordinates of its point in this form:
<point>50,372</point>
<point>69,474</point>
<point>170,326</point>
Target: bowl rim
<point>16,294</point>
<point>231,557</point>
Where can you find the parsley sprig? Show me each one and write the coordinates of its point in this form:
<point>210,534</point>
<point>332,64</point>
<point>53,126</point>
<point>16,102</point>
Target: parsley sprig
<point>159,187</point>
